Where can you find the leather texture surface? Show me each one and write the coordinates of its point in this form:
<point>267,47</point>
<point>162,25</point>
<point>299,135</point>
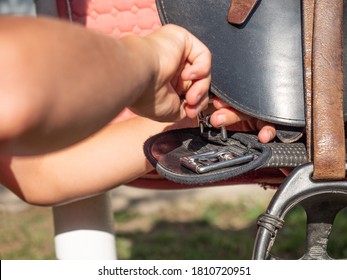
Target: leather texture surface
<point>166,150</point>
<point>307,24</point>
<point>257,67</point>
<point>328,126</point>
<point>240,10</point>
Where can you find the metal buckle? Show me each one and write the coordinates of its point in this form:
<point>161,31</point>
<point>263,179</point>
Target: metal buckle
<point>214,160</point>
<point>204,121</point>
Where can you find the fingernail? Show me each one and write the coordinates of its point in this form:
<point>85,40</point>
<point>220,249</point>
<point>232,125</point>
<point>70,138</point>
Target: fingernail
<point>271,135</point>
<point>221,119</point>
<point>268,136</point>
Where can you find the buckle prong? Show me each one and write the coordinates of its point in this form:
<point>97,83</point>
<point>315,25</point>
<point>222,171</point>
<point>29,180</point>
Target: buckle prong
<point>204,121</point>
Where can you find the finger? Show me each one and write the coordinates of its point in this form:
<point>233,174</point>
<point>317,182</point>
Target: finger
<point>198,56</point>
<point>227,117</point>
<point>267,131</point>
<point>193,111</point>
<point>178,84</point>
<point>182,87</point>
<point>266,134</point>
<point>218,104</point>
<point>196,91</point>
<point>198,70</point>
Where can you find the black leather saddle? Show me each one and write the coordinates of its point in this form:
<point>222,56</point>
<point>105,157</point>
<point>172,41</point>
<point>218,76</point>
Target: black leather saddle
<point>260,67</point>
<point>257,68</point>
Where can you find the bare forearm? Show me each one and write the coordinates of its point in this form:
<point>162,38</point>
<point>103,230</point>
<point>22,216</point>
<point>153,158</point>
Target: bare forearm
<point>60,82</point>
<point>111,157</point>
<point>67,82</point>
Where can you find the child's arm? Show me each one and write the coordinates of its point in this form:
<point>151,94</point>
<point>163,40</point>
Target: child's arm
<point>60,82</point>
<point>111,157</point>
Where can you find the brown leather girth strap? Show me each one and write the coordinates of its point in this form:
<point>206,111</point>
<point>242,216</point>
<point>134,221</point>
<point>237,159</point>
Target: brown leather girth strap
<point>308,10</point>
<point>240,10</point>
<point>327,91</point>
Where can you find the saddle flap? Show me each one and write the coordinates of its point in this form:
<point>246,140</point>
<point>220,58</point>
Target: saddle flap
<point>257,67</point>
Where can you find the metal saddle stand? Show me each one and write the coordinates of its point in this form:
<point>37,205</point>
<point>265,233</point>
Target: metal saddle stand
<point>280,61</point>
<point>321,200</point>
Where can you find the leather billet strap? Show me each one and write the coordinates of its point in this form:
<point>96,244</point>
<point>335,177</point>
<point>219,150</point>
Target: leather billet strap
<point>186,156</point>
<point>307,22</point>
<point>327,91</point>
<point>240,10</point>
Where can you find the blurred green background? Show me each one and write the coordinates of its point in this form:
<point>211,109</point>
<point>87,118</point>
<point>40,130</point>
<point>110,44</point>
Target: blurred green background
<point>208,223</point>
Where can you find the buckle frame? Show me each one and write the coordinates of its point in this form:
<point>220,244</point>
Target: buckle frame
<point>214,160</point>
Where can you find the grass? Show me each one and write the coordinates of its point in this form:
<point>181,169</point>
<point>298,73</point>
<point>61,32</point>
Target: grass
<point>215,231</point>
<point>206,230</point>
<point>26,235</point>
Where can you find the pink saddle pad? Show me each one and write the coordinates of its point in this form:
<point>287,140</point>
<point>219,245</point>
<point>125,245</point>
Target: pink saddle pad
<point>115,18</point>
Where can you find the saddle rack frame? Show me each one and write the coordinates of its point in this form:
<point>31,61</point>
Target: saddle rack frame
<point>321,200</point>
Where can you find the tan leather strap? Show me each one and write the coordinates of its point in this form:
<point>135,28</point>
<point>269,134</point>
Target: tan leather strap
<point>327,84</point>
<point>308,10</point>
<point>240,10</point>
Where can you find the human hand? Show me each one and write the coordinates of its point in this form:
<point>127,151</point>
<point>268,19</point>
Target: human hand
<point>234,120</point>
<point>182,73</point>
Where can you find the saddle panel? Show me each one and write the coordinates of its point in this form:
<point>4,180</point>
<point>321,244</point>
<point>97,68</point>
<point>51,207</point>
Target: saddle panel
<point>257,67</point>
<point>115,18</point>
